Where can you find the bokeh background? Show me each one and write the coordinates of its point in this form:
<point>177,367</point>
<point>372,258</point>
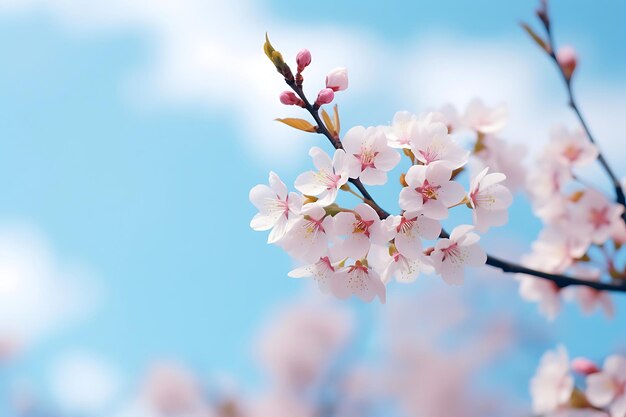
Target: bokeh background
<point>132,130</point>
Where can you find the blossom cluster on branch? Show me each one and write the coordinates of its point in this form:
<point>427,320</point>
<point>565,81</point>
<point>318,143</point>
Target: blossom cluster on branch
<point>601,393</point>
<point>357,249</point>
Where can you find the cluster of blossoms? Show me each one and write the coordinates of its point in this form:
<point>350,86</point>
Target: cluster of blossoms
<point>583,227</point>
<point>356,251</point>
<point>555,393</point>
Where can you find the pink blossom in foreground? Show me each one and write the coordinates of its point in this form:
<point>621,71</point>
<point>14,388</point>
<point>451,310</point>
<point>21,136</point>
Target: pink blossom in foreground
<point>409,229</point>
<point>452,255</point>
<point>553,382</point>
<point>430,142</point>
<point>406,269</point>
<point>307,239</point>
<point>323,271</point>
<point>359,280</point>
<point>430,191</point>
<point>484,119</point>
<point>489,200</point>
<point>607,388</point>
<point>362,227</point>
<point>369,152</point>
<point>277,207</point>
<point>331,174</point>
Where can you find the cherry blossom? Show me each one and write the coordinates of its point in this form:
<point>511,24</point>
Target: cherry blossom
<point>571,149</point>
<point>322,271</point>
<point>337,79</point>
<point>308,237</point>
<point>608,387</point>
<point>502,156</point>
<point>330,176</point>
<point>369,152</point>
<point>430,191</point>
<point>399,133</point>
<point>408,230</point>
<point>553,382</point>
<point>359,280</point>
<point>277,207</point>
<point>430,142</point>
<point>406,269</point>
<point>362,227</point>
<point>452,255</point>
<point>596,216</point>
<point>489,200</point>
<point>484,119</point>
<point>588,298</point>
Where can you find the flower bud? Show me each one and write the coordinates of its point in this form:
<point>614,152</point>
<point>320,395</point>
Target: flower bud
<point>584,366</point>
<point>289,98</point>
<point>325,96</point>
<point>337,79</point>
<point>566,56</point>
<point>303,59</point>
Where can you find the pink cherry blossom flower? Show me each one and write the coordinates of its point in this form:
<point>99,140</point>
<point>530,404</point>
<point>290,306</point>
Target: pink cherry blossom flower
<point>406,269</point>
<point>567,58</point>
<point>330,176</point>
<point>608,387</point>
<point>371,156</point>
<point>362,227</point>
<point>359,280</point>
<point>571,149</point>
<point>337,79</point>
<point>409,229</point>
<point>553,383</point>
<point>452,255</point>
<point>430,191</point>
<point>594,213</point>
<point>398,134</point>
<point>307,239</point>
<point>430,142</point>
<point>278,208</point>
<point>322,271</point>
<point>489,200</point>
<point>484,119</point>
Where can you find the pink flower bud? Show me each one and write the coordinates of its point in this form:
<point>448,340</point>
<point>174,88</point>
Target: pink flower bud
<point>303,59</point>
<point>584,366</point>
<point>337,79</point>
<point>289,98</point>
<point>325,96</point>
<point>566,56</point>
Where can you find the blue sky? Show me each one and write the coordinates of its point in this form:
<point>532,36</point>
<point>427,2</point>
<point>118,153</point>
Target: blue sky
<point>149,188</point>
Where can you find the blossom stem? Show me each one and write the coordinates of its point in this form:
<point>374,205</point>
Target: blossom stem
<point>560,281</point>
<point>620,198</point>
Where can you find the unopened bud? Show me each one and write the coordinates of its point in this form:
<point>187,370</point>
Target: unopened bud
<point>325,96</point>
<point>566,56</point>
<point>337,79</point>
<point>584,366</point>
<point>289,98</point>
<point>303,59</point>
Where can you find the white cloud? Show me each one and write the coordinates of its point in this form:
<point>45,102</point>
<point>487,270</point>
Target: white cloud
<point>208,53</point>
<point>38,293</point>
